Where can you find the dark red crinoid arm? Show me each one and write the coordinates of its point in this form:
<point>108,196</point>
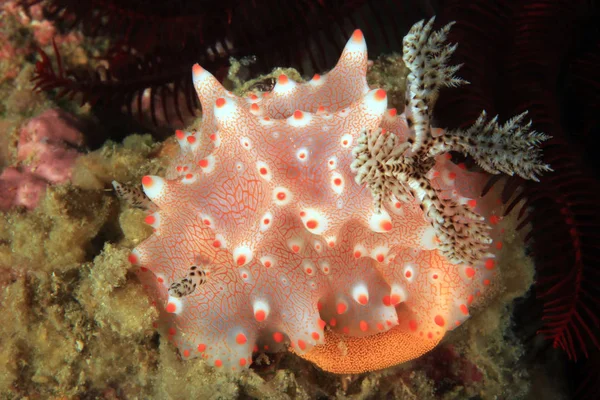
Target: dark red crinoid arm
<point>518,56</point>
<point>565,218</point>
<point>154,43</point>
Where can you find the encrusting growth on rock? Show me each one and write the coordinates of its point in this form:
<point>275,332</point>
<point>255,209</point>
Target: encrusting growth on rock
<point>301,255</point>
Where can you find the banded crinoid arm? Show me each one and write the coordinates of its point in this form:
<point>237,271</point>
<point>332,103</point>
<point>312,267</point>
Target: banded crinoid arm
<point>381,165</point>
<point>371,154</point>
<point>426,56</point>
<point>388,167</point>
<point>510,148</point>
<point>133,196</point>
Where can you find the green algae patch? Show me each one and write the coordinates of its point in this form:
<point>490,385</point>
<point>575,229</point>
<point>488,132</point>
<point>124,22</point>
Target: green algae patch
<point>44,336</point>
<point>80,322</point>
<point>112,301</point>
<point>58,235</point>
<point>125,163</point>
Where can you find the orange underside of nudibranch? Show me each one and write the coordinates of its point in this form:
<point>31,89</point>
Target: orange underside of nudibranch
<point>344,354</point>
<point>264,240</point>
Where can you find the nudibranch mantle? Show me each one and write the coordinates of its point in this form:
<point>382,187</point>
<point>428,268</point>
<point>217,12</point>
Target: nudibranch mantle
<point>312,215</point>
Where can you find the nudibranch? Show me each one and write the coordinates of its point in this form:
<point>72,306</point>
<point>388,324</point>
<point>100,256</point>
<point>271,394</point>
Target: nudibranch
<point>313,218</point>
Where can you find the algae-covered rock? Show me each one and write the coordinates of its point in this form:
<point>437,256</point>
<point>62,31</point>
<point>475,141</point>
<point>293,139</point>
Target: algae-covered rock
<point>121,162</point>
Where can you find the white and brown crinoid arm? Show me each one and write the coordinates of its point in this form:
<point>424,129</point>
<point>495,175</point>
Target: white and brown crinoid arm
<point>388,167</point>
<point>381,165</point>
<point>133,196</point>
<point>371,154</point>
<point>426,55</point>
<point>510,148</point>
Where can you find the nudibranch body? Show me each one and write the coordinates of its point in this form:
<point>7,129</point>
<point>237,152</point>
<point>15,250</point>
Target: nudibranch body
<point>313,217</point>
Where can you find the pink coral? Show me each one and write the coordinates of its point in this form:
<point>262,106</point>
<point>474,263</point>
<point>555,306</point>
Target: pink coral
<point>47,145</point>
<point>314,210</point>
<point>46,153</point>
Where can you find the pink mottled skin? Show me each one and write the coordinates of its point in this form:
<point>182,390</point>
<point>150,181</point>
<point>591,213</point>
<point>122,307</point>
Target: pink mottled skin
<point>264,200</point>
